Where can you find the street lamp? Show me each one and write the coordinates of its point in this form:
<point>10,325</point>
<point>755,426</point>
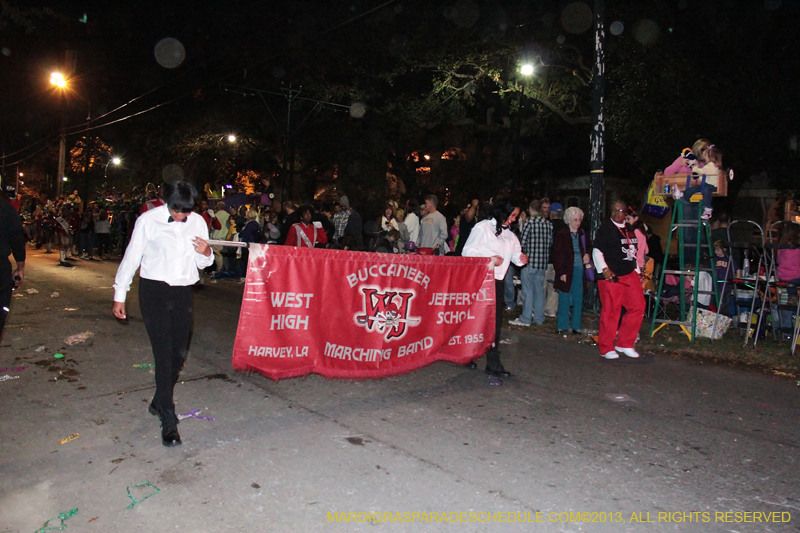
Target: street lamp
<point>231,138</point>
<point>115,160</point>
<point>57,79</point>
<point>526,69</point>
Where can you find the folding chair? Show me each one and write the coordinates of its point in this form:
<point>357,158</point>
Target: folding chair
<point>746,238</point>
<point>667,307</point>
<point>784,315</point>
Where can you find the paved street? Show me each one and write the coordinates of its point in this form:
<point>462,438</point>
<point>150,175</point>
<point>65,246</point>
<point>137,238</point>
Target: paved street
<point>658,439</point>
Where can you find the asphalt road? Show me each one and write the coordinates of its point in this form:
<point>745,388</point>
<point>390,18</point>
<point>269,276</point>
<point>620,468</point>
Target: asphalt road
<point>673,444</point>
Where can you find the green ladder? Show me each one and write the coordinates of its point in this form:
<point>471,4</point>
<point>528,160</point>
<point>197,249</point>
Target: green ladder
<point>678,223</point>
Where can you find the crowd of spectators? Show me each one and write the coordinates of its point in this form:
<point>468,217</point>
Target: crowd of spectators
<point>100,228</point>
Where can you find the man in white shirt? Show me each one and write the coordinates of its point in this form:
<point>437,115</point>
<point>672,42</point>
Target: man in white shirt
<point>433,226</point>
<point>169,243</point>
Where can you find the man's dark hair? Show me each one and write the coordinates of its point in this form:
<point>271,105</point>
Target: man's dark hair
<point>413,206</point>
<point>180,196</point>
<point>303,209</point>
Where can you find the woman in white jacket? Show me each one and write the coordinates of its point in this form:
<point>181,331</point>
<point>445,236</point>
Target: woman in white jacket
<point>493,239</point>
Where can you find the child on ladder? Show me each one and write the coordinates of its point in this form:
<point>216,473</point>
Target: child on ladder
<point>709,162</point>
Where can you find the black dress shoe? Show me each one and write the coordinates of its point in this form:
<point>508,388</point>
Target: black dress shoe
<point>169,428</point>
<point>170,437</point>
<point>472,365</point>
<point>499,372</point>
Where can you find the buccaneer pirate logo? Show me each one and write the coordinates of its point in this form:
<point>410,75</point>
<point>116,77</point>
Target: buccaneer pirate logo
<point>386,312</point>
<point>630,253</point>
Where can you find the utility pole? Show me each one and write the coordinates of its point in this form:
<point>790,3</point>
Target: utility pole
<point>288,169</point>
<point>62,148</point>
<point>292,96</point>
<point>597,185</point>
<point>598,118</point>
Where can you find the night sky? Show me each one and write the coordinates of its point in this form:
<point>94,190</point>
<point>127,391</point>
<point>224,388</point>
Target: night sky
<point>677,70</point>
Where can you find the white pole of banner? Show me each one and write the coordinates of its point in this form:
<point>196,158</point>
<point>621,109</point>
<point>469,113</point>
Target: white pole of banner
<point>238,244</point>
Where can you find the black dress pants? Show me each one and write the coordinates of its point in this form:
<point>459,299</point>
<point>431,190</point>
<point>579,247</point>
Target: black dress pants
<point>167,314</point>
<point>6,288</point>
<point>493,355</point>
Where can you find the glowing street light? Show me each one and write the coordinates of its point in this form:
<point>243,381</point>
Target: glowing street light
<point>231,138</point>
<point>115,160</point>
<point>58,79</point>
<point>527,69</point>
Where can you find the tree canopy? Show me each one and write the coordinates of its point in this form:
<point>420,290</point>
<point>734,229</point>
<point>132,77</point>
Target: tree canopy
<point>414,78</point>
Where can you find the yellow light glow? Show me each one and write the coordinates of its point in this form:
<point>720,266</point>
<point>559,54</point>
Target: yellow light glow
<point>232,138</point>
<point>527,69</point>
<point>454,154</point>
<point>57,79</point>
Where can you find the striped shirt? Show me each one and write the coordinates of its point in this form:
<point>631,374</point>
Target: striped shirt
<point>340,219</point>
<point>536,238</point>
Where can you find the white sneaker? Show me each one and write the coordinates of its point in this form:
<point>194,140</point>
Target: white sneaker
<point>610,355</point>
<point>677,194</point>
<point>518,322</point>
<point>630,352</point>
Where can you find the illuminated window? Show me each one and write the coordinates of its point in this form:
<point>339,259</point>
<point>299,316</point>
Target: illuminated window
<point>454,154</point>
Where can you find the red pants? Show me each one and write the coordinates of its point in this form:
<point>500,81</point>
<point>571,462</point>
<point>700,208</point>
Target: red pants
<point>627,293</point>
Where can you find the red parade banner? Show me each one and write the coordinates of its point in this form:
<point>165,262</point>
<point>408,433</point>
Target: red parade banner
<point>349,314</point>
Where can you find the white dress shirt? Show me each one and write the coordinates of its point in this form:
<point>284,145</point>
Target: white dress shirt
<point>483,242</point>
<point>164,250</point>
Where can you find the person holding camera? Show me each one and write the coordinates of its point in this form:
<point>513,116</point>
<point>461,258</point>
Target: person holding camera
<point>614,255</point>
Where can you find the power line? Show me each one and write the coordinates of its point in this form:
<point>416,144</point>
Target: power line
<point>84,127</point>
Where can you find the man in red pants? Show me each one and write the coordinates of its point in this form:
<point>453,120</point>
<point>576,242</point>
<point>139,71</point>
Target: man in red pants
<point>614,257</point>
